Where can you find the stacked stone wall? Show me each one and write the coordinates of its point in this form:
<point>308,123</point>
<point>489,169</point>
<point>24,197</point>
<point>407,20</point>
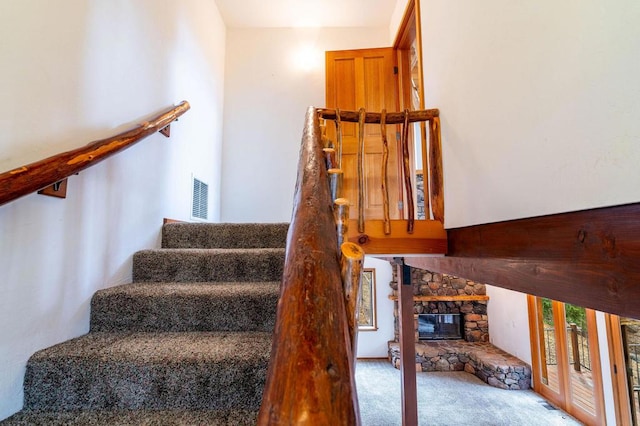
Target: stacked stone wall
<point>426,283</point>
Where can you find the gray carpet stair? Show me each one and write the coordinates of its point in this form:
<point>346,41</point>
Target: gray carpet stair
<point>187,343</point>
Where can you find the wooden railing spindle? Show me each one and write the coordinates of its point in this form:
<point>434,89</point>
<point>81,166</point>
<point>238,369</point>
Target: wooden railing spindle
<point>352,261</point>
<point>338,137</point>
<point>362,115</point>
<point>330,158</point>
<point>406,167</point>
<point>341,215</point>
<point>385,177</point>
<point>335,183</point>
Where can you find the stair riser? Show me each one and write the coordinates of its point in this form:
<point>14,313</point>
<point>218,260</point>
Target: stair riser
<point>77,385</point>
<point>178,313</point>
<point>194,266</point>
<point>209,235</point>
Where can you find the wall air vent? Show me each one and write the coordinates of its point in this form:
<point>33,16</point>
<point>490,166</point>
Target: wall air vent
<point>200,200</point>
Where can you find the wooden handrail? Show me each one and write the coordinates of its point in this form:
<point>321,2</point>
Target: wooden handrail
<point>311,371</point>
<point>32,177</point>
<point>374,117</point>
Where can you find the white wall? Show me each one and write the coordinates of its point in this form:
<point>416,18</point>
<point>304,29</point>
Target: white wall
<point>396,19</point>
<point>73,72</point>
<point>509,322</point>
<point>373,344</point>
<point>539,104</point>
<point>272,76</point>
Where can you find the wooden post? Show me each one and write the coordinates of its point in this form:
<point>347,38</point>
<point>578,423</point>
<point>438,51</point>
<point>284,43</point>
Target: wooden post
<point>335,182</point>
<point>330,158</point>
<point>574,346</point>
<point>385,177</point>
<point>406,327</point>
<point>352,261</point>
<point>341,215</point>
<point>362,115</point>
<point>406,168</point>
<point>436,177</point>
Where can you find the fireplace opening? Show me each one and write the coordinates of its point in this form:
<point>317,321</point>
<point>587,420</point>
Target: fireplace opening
<point>439,326</point>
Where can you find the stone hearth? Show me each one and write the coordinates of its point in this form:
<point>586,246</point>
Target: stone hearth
<point>436,293</point>
<point>492,365</point>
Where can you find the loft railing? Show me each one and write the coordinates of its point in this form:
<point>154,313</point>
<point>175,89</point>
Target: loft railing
<point>56,169</point>
<point>386,235</point>
<point>311,372</point>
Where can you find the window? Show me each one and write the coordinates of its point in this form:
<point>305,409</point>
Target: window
<point>367,320</point>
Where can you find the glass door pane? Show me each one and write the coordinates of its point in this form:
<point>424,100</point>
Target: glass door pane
<point>548,347</point>
<point>579,358</point>
<point>631,342</point>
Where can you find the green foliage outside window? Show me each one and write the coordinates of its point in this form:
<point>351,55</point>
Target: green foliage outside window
<point>573,314</point>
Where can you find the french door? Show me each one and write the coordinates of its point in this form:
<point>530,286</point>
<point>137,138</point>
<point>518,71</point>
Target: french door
<point>566,358</point>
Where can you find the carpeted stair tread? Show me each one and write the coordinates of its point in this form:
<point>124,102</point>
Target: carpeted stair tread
<point>188,370</point>
<point>199,306</point>
<point>134,417</point>
<point>197,265</point>
<point>224,235</point>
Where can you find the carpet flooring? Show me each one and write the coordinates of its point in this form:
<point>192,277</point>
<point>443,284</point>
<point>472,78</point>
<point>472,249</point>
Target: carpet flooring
<point>187,343</point>
<point>449,399</point>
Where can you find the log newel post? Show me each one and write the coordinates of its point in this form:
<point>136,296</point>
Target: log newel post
<point>341,215</point>
<point>407,344</point>
<point>352,261</point>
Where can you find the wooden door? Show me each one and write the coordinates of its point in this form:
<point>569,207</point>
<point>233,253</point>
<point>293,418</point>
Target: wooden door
<point>365,79</point>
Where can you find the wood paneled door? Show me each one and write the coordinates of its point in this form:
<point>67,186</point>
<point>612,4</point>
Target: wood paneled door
<point>365,79</point>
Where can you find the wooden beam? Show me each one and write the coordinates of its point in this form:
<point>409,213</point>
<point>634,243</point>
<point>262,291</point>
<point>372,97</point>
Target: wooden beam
<point>429,237</point>
<point>589,258</point>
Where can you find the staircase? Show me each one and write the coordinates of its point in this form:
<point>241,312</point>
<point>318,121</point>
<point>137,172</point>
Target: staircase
<point>187,343</point>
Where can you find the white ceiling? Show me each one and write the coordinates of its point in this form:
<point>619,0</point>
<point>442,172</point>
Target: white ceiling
<point>306,13</point>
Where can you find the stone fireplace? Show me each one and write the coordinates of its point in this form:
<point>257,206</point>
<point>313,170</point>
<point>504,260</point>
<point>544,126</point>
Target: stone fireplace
<point>443,294</point>
<point>439,294</point>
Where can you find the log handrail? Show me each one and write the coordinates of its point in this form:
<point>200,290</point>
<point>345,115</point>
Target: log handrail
<point>374,117</point>
<point>35,176</point>
<point>311,372</point>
